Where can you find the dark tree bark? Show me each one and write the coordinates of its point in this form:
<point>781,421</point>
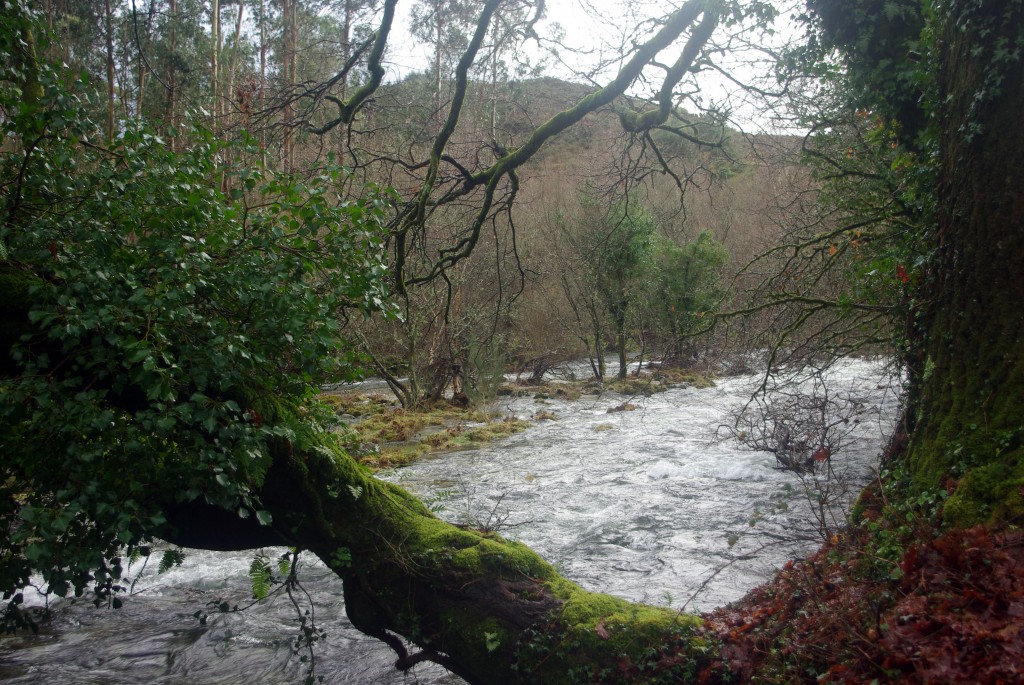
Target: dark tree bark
<point>968,401</point>
<point>109,38</point>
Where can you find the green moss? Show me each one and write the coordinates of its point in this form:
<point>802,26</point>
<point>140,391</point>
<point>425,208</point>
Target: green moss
<point>490,555</point>
<point>970,434</point>
<point>596,638</point>
<point>454,550</point>
<point>405,429</point>
<point>402,436</point>
<point>584,610</point>
<point>992,493</point>
<point>679,377</point>
<point>356,404</point>
<point>635,386</point>
<point>398,425</point>
<point>582,607</point>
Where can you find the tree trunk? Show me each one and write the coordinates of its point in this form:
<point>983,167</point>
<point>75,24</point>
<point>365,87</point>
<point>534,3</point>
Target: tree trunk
<point>288,16</point>
<point>109,30</point>
<point>597,328</point>
<point>215,61</point>
<point>172,76</point>
<point>143,47</point>
<point>263,81</point>
<point>968,403</point>
<point>235,46</point>
<point>346,55</point>
<point>619,319</point>
<point>486,608</point>
<point>620,343</point>
<point>439,26</point>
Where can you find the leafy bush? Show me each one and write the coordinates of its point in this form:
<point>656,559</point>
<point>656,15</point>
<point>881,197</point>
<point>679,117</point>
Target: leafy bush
<point>156,314</point>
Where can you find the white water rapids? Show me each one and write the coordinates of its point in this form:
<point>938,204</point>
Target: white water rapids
<point>647,504</point>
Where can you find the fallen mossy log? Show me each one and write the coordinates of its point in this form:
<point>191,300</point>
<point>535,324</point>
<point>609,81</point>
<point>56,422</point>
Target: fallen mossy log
<point>489,609</point>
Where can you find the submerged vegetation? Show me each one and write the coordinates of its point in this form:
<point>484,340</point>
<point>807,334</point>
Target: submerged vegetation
<point>381,434</point>
<point>394,436</point>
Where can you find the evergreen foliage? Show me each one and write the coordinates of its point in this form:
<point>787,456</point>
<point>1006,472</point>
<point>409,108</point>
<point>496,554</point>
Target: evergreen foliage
<point>154,316</point>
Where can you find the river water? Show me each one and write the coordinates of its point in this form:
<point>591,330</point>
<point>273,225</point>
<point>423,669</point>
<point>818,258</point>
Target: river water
<point>652,504</point>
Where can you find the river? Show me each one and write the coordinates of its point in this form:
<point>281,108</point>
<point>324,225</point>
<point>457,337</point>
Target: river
<point>652,504</point>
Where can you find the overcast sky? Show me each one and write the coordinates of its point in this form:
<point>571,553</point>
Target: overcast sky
<point>594,30</point>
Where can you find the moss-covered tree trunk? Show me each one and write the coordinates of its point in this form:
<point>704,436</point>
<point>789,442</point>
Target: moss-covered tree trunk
<point>968,401</point>
<point>488,609</point>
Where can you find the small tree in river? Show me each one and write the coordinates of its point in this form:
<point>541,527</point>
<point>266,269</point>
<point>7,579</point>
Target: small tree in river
<point>684,290</point>
<point>603,281</point>
<point>621,260</point>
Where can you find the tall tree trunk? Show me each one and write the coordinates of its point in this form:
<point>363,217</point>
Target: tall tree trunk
<point>439,27</point>
<point>969,401</point>
<point>346,55</point>
<point>215,62</point>
<point>235,47</point>
<point>109,30</point>
<point>618,313</point>
<point>288,68</point>
<point>263,81</point>
<point>293,78</point>
<point>142,43</point>
<point>620,344</point>
<point>492,114</point>
<point>172,77</point>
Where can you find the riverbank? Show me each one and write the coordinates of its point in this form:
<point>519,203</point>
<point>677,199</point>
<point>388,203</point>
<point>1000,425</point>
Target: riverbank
<point>381,434</point>
<point>894,598</point>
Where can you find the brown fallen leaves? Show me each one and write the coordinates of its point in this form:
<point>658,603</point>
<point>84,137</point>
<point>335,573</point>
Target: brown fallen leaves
<point>955,616</point>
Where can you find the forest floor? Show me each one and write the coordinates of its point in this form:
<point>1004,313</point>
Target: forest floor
<point>947,610</point>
